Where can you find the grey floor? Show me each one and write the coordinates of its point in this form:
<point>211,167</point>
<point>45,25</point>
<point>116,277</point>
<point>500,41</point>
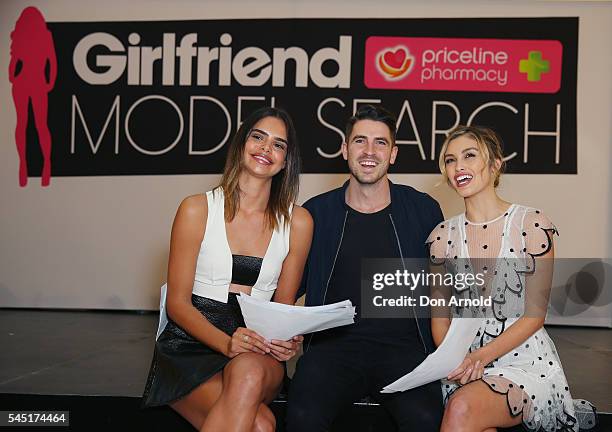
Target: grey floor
<point>108,353</point>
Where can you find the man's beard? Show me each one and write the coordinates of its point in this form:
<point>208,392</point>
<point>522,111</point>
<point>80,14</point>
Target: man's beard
<point>366,179</point>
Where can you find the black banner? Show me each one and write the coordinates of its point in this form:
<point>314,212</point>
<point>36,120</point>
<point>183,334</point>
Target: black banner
<point>135,98</point>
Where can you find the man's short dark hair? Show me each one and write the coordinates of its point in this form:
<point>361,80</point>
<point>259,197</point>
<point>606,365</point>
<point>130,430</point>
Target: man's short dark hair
<point>375,113</point>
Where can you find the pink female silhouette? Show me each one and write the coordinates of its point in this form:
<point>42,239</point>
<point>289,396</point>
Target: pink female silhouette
<point>31,49</point>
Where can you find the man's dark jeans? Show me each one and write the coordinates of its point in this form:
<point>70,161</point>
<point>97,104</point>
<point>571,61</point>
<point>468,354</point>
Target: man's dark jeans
<point>337,371</point>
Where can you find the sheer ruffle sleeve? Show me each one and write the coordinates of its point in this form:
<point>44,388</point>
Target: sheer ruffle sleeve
<point>527,273</point>
<point>437,243</point>
<point>537,232</point>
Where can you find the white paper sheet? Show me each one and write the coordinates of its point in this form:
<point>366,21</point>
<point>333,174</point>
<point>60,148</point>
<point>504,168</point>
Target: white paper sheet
<point>442,361</point>
<point>280,321</point>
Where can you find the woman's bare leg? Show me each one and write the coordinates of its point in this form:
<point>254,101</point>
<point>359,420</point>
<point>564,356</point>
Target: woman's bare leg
<point>196,406</point>
<point>476,408</point>
<point>249,380</point>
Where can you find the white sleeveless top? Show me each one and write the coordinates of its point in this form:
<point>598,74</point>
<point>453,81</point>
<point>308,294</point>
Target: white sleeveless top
<point>213,273</point>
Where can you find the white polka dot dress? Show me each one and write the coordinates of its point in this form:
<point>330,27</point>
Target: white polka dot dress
<point>504,250</point>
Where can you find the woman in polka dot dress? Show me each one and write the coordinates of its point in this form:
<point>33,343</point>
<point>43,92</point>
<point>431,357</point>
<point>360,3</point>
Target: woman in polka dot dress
<point>512,373</point>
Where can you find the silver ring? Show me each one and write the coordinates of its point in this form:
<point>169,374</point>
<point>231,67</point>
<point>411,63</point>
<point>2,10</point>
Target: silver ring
<point>245,338</point>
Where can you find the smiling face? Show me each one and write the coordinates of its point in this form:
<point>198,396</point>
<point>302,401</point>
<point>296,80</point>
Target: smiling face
<point>369,151</point>
<point>467,168</point>
<point>265,148</point>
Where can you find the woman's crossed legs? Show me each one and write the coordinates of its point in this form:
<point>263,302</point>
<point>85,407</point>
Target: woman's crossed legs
<point>235,399</point>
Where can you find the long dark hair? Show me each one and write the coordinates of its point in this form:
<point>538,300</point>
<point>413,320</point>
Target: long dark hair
<point>285,184</point>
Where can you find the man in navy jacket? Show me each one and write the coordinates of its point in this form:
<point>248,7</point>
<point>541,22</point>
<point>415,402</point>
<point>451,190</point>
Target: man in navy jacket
<point>368,217</point>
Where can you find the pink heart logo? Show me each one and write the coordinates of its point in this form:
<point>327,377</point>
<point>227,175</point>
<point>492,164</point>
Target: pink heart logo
<point>396,58</point>
<point>394,63</point>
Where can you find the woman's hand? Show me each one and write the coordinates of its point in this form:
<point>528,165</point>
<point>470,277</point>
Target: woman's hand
<point>244,340</point>
<point>285,350</point>
<point>471,369</point>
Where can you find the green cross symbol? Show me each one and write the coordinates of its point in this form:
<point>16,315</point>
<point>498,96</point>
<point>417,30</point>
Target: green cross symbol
<point>534,66</point>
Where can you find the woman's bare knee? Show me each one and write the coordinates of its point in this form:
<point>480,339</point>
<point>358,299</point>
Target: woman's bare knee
<point>253,377</point>
<point>459,413</point>
<point>459,406</point>
<point>476,407</point>
<point>247,378</point>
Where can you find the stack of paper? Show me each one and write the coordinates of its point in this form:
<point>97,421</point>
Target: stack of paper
<point>280,321</point>
<point>444,360</point>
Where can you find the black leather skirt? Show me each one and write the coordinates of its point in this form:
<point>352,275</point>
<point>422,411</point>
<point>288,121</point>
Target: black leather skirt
<point>180,362</point>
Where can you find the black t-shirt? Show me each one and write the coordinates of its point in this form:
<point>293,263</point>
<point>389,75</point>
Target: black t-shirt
<point>366,235</point>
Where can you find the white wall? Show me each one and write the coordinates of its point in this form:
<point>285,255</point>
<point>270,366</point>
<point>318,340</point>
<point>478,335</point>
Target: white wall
<point>102,242</point>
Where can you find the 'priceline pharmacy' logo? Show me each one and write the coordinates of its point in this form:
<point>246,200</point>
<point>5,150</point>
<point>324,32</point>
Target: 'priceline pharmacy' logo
<point>483,65</point>
<point>394,63</point>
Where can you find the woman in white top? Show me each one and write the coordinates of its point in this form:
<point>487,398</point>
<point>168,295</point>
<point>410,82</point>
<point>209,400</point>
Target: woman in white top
<point>245,236</point>
<point>512,373</point>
